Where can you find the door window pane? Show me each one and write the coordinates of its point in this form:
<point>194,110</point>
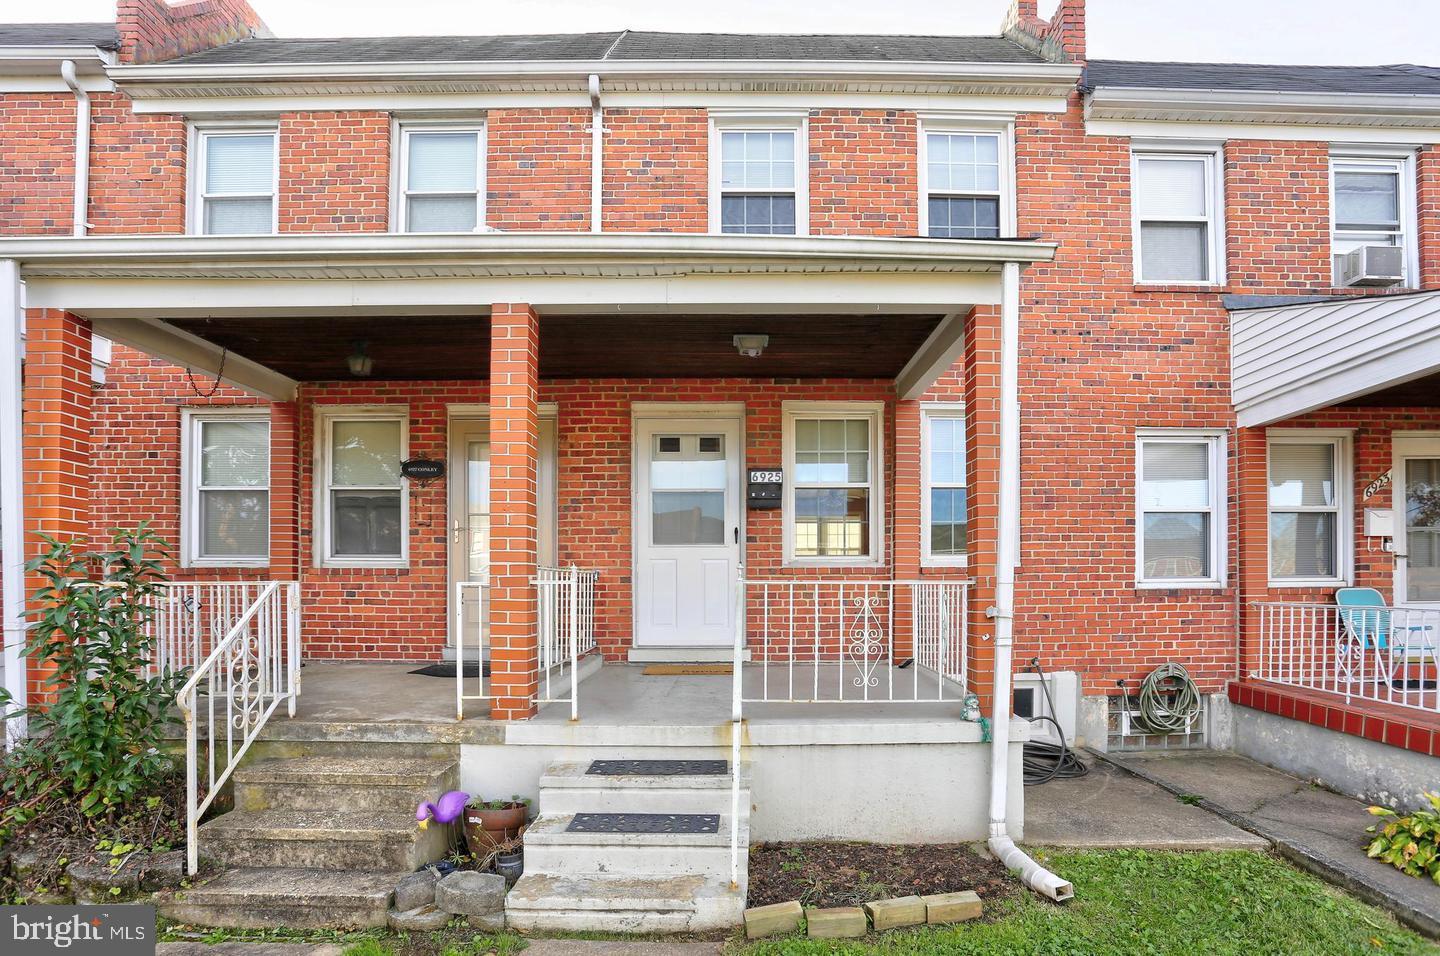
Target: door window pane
<point>1422,529</point>
<point>687,517</point>
<point>477,510</point>
<point>365,454</point>
<point>1177,545</point>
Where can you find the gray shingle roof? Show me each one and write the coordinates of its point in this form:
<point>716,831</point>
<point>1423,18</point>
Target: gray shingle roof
<point>618,45</point>
<point>1396,78</point>
<point>102,35</point>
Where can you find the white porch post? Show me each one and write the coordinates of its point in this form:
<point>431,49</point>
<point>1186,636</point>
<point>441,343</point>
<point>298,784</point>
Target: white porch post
<point>12,498</point>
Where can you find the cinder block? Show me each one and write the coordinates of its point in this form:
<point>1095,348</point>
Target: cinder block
<point>952,907</point>
<point>890,914</point>
<point>773,920</point>
<point>841,922</point>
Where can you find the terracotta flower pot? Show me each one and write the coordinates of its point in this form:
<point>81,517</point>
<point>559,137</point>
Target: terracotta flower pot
<point>486,829</point>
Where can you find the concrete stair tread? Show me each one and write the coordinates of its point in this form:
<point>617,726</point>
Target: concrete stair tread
<point>357,771</point>
<point>604,891</point>
<point>570,774</point>
<point>549,829</point>
<point>287,885</point>
<point>283,824</point>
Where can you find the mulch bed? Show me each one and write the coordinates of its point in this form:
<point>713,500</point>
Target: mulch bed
<point>848,874</point>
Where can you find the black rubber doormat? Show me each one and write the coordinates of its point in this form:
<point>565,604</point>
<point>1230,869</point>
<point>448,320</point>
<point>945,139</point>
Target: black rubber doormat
<point>658,768</point>
<point>447,669</point>
<point>645,823</point>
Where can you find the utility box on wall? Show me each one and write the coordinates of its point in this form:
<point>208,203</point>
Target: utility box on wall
<point>763,490</point>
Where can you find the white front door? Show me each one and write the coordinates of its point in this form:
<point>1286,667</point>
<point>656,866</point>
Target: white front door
<point>1416,483</point>
<point>687,531</point>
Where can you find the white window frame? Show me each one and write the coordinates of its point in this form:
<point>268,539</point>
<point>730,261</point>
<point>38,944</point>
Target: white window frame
<point>772,121</point>
<point>325,419</point>
<point>400,133</point>
<point>1398,160</point>
<point>1212,156</point>
<point>875,413</point>
<point>929,412</point>
<point>1343,441</point>
<point>1005,131</point>
<point>192,551</point>
<point>196,195</point>
<point>1216,440</point>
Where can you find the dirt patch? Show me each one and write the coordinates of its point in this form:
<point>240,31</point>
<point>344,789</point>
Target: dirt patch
<point>848,874</point>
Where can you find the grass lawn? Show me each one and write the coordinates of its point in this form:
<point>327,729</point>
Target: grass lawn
<point>1131,902</point>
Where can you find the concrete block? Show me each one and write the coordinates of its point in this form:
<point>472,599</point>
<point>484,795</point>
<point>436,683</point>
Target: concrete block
<point>890,914</point>
<point>416,890</point>
<point>471,894</point>
<point>487,922</point>
<point>773,920</point>
<point>842,922</point>
<point>421,919</point>
<point>952,907</point>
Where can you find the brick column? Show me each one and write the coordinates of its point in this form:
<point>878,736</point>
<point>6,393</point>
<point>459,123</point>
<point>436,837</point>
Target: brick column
<point>514,511</point>
<point>285,491</point>
<point>906,533</point>
<point>1252,532</point>
<point>1427,174</point>
<point>982,426</point>
<point>58,398</point>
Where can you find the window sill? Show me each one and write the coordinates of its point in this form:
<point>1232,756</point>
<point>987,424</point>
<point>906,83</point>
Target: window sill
<point>199,564</point>
<point>1179,287</point>
<point>343,564</point>
<point>945,564</point>
<point>1305,584</point>
<point>1186,585</point>
<point>815,564</point>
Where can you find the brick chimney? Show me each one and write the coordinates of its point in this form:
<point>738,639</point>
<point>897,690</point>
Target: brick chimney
<point>1060,38</point>
<point>154,30</point>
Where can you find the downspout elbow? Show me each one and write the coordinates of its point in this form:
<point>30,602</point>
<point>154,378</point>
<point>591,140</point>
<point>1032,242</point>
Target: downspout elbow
<point>1034,875</point>
<point>82,146</point>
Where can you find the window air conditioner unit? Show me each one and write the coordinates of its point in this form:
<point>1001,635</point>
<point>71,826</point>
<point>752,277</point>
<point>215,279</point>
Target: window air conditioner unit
<point>1028,701</point>
<point>1373,265</point>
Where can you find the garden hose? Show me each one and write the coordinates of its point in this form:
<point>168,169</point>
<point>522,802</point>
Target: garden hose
<point>1043,762</point>
<point>1169,700</point>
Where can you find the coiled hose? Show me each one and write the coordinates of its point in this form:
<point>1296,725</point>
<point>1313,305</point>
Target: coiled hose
<point>1043,762</point>
<point>1169,700</point>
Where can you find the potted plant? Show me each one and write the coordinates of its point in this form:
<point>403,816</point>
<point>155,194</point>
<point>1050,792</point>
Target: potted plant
<point>489,823</point>
<point>510,860</point>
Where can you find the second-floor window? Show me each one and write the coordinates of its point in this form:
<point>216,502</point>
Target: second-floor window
<point>235,182</point>
<point>443,179</point>
<point>963,185</point>
<point>1370,203</point>
<point>1176,224</point>
<point>758,179</point>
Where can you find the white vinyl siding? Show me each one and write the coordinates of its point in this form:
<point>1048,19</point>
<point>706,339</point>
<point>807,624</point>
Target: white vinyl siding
<point>1180,509</point>
<point>225,460</point>
<point>1308,479</point>
<point>442,171</point>
<point>234,186</point>
<point>833,499</point>
<point>944,498</point>
<point>361,496</point>
<point>1372,203</point>
<point>1175,203</point>
<point>759,175</point>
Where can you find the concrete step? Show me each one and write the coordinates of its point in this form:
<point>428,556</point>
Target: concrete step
<point>623,904</point>
<point>566,787</point>
<point>264,898</point>
<point>326,840</point>
<point>551,849</point>
<point>339,783</point>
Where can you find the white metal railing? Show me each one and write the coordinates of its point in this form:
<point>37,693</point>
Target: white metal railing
<point>252,669</point>
<point>191,617</point>
<point>472,631</point>
<point>1382,654</point>
<point>566,603</point>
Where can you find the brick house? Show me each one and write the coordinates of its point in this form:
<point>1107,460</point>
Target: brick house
<point>859,364</point>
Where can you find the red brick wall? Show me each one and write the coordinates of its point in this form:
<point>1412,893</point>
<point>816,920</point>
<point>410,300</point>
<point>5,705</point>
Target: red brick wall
<point>137,169</point>
<point>334,171</point>
<point>153,30</point>
<point>37,163</point>
<point>538,168</point>
<point>863,173</point>
<point>1277,215</point>
<point>1427,174</point>
<point>656,166</point>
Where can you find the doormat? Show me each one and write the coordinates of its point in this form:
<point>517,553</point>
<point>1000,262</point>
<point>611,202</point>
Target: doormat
<point>447,669</point>
<point>659,768</point>
<point>645,823</point>
<point>688,670</point>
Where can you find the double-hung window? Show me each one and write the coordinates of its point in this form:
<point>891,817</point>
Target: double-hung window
<point>1175,203</point>
<point>362,496</point>
<point>1180,495</point>
<point>234,187</point>
<point>226,507</point>
<point>966,177</point>
<point>1308,500</point>
<point>833,457</point>
<point>758,176</point>
<point>1371,204</point>
<point>942,444</point>
<point>442,179</point>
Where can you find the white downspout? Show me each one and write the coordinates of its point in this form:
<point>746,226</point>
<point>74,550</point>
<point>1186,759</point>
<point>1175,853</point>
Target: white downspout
<point>597,142</point>
<point>1007,537</point>
<point>82,146</point>
<point>12,498</point>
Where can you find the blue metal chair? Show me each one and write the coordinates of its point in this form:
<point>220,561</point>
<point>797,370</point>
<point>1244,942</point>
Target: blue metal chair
<point>1367,623</point>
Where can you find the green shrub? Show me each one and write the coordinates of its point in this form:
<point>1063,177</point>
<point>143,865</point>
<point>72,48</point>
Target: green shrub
<point>1410,843</point>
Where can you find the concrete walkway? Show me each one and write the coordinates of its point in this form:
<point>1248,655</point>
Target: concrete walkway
<point>1317,830</point>
<point>537,947</point>
<point>1111,808</point>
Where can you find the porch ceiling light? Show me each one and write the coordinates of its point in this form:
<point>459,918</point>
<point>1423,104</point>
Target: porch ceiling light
<point>361,365</point>
<point>751,346</point>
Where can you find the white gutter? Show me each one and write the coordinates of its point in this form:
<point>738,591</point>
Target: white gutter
<point>1007,556</point>
<point>82,146</point>
<point>597,140</point>
<point>12,497</point>
<point>1277,106</point>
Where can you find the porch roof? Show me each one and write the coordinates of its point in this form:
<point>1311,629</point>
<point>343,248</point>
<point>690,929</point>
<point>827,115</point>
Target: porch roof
<point>1374,350</point>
